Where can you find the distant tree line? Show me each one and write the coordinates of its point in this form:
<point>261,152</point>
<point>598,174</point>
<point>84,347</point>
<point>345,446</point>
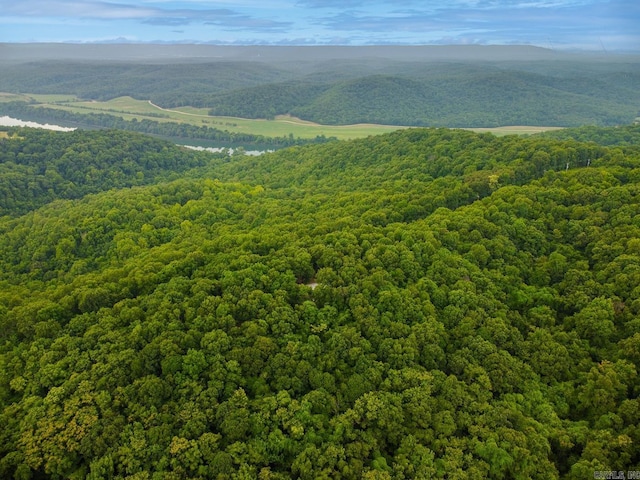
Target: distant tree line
<point>172,130</point>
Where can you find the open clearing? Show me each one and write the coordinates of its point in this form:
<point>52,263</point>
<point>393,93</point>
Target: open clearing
<point>515,129</point>
<point>130,108</point>
<point>12,97</point>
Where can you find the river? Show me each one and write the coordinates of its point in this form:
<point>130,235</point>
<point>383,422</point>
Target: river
<point>6,121</point>
<point>230,150</point>
<point>14,122</point>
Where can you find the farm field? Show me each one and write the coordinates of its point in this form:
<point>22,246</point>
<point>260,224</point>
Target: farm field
<point>130,108</point>
<point>515,129</point>
<point>11,97</point>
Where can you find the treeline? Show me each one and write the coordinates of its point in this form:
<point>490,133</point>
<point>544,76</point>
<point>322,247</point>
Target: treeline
<point>171,84</point>
<point>172,130</point>
<point>627,136</point>
<point>423,304</point>
<point>444,168</point>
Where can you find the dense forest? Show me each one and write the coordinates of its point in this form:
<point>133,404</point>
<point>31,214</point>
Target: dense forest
<point>557,90</point>
<point>449,95</point>
<point>429,303</point>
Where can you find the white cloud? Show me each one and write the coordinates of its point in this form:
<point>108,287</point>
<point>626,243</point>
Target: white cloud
<point>560,22</point>
<point>71,8</point>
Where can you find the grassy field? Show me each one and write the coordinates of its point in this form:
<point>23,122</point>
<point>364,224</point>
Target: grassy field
<point>130,108</point>
<point>12,97</point>
<point>52,98</point>
<point>31,97</point>
<point>515,129</point>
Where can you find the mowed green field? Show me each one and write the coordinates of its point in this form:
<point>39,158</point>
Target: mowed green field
<point>130,108</point>
<point>12,97</point>
<point>19,97</point>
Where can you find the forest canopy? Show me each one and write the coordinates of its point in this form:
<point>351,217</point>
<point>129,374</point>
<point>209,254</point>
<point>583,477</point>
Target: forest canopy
<point>427,303</point>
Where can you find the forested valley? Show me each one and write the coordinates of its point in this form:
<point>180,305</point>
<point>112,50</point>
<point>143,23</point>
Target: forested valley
<point>475,87</point>
<point>430,303</point>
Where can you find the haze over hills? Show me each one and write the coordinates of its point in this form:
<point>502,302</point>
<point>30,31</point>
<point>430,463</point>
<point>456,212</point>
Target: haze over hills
<point>458,86</point>
<point>19,52</point>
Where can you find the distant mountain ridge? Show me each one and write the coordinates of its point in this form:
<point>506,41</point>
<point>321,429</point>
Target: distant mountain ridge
<point>453,86</point>
<point>28,52</point>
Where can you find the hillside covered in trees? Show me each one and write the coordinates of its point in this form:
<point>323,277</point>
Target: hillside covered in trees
<point>429,303</point>
<point>447,95</point>
<point>467,86</point>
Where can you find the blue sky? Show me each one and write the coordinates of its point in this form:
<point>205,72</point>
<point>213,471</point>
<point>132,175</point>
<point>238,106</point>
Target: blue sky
<point>559,24</point>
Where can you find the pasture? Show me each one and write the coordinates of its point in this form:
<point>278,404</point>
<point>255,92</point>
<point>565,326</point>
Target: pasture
<point>12,97</point>
<point>130,108</point>
<point>283,125</point>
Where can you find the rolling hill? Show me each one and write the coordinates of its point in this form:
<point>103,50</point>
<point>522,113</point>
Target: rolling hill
<point>453,87</point>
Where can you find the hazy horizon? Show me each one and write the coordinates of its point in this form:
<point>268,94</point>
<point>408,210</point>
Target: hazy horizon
<point>283,55</point>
